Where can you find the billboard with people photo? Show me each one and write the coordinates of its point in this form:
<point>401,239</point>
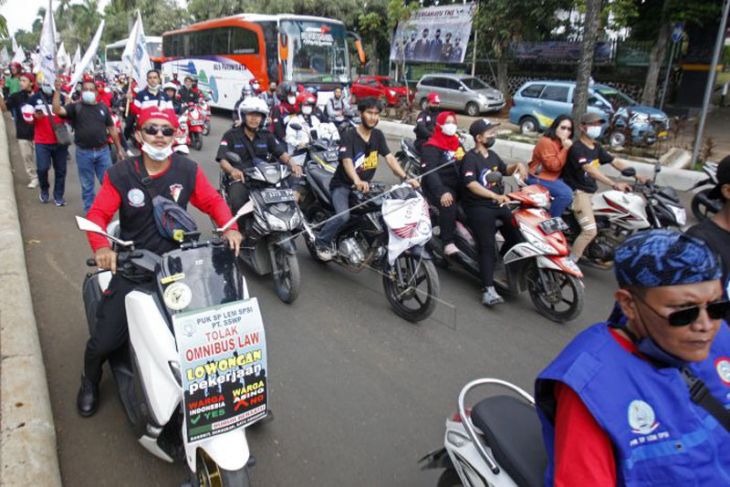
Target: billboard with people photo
<point>434,34</point>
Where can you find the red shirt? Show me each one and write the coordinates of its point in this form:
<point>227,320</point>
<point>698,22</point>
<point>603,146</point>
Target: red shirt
<point>107,202</point>
<point>583,451</point>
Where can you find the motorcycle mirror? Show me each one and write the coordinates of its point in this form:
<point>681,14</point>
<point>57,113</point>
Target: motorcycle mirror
<point>245,209</point>
<point>295,126</point>
<point>88,226</point>
<point>232,157</point>
<point>629,172</point>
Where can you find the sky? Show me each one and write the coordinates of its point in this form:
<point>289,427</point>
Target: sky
<point>21,13</point>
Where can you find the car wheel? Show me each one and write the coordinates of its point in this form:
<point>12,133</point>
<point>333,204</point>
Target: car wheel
<point>529,125</point>
<point>472,109</point>
<point>423,104</point>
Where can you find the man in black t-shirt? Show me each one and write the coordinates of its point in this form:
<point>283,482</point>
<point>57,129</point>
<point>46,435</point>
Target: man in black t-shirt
<point>359,150</point>
<point>254,146</point>
<point>581,173</point>
<point>716,230</point>
<point>426,121</point>
<point>23,129</point>
<point>91,122</point>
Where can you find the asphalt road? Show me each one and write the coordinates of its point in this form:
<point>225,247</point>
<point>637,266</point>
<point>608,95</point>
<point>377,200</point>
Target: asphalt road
<point>359,394</point>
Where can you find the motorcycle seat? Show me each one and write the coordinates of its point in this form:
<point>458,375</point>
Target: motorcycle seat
<point>512,430</point>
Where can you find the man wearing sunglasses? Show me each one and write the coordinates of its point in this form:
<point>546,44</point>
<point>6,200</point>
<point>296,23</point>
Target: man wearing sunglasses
<point>129,187</point>
<point>643,398</point>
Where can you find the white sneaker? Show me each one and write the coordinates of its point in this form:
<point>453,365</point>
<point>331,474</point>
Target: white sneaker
<point>451,249</point>
<point>325,252</point>
<point>33,184</point>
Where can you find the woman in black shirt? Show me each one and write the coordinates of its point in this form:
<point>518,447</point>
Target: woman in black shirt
<point>439,159</point>
<point>482,202</point>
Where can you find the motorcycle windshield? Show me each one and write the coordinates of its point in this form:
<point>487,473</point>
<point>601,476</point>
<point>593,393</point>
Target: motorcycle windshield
<point>201,277</point>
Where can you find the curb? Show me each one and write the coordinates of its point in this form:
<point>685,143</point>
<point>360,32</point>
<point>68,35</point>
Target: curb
<point>680,179</point>
<point>28,443</point>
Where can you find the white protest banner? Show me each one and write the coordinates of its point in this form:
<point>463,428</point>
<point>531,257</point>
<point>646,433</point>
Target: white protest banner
<point>62,59</point>
<point>19,56</point>
<point>4,56</point>
<point>77,55</point>
<point>80,66</point>
<point>47,55</point>
<point>135,58</point>
<point>434,34</point>
<point>14,44</point>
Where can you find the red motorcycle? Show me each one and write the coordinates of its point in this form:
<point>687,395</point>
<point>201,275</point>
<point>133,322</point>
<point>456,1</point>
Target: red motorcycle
<point>181,143</point>
<point>196,124</point>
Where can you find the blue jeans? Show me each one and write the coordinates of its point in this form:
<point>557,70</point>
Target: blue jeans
<point>561,193</point>
<point>56,155</point>
<point>341,203</point>
<point>91,162</point>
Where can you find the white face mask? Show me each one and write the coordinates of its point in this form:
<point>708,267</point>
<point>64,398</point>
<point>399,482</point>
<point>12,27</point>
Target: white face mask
<point>291,99</point>
<point>155,153</point>
<point>449,129</point>
<point>307,110</point>
<point>88,97</point>
<point>153,89</point>
<point>594,131</point>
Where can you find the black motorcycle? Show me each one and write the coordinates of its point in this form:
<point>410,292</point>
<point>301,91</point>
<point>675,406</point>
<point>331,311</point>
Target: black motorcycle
<point>411,284</point>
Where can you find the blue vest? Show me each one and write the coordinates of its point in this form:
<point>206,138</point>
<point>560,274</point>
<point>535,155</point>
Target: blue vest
<point>660,437</point>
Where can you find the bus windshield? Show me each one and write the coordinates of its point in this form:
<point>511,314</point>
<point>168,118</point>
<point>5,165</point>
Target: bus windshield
<point>317,52</point>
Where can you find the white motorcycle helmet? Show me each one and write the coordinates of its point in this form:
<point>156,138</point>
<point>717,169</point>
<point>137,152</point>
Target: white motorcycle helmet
<point>253,105</point>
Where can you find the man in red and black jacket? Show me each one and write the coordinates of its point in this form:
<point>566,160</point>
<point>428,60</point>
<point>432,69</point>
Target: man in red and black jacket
<point>128,187</point>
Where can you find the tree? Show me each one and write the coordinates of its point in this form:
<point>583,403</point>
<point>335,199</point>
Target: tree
<point>591,25</point>
<point>3,23</point>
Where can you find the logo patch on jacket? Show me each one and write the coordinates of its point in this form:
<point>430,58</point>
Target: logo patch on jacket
<point>175,190</point>
<point>642,418</point>
<point>135,197</point>
<point>722,365</point>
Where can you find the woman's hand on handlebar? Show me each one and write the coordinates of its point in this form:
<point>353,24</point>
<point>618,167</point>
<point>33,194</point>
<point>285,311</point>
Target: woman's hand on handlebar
<point>106,259</point>
<point>502,199</point>
<point>362,186</point>
<point>236,175</point>
<point>415,183</point>
<point>234,239</point>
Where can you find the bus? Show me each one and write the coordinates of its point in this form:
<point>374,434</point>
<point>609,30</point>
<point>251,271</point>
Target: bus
<point>113,54</point>
<point>225,54</point>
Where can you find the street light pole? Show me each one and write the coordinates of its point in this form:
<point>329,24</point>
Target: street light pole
<point>711,80</point>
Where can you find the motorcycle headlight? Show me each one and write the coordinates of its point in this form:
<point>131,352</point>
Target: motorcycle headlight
<point>275,223</point>
<point>680,214</point>
<point>295,221</point>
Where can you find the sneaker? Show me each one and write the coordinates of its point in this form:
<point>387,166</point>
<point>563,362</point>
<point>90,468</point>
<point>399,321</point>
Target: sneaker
<point>61,202</point>
<point>450,249</point>
<point>490,297</point>
<point>324,252</point>
<point>33,184</point>
<point>44,197</point>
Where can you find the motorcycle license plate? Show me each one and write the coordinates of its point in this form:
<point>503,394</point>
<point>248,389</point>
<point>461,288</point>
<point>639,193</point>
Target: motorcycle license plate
<point>196,122</point>
<point>271,196</point>
<point>553,225</point>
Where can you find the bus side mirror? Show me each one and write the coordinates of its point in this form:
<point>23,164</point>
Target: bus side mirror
<point>283,47</point>
<point>358,46</point>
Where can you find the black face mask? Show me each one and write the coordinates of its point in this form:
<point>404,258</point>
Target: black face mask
<point>490,142</point>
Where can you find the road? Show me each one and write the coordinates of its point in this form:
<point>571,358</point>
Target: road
<point>359,394</point>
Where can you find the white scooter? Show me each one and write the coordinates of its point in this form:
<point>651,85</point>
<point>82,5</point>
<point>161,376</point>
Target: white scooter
<point>497,443</point>
<point>153,381</point>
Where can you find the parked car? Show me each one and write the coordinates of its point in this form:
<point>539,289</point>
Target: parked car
<point>460,92</point>
<point>382,87</point>
<point>537,103</point>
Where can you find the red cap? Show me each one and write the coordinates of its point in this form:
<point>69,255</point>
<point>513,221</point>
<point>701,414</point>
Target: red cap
<point>29,76</point>
<point>150,113</point>
<point>433,98</point>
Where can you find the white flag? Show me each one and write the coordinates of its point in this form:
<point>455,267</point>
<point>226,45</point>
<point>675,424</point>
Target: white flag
<point>80,67</point>
<point>15,44</point>
<point>77,55</point>
<point>135,58</point>
<point>19,56</point>
<point>408,224</point>
<point>48,49</point>
<point>62,59</point>
<point>4,56</point>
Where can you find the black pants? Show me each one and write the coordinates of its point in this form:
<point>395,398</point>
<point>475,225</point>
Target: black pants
<point>482,221</point>
<point>447,215</point>
<point>129,125</point>
<point>111,331</point>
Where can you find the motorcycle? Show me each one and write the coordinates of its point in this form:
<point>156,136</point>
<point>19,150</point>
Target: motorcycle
<point>271,219</point>
<point>205,112</point>
<point>151,377</point>
<point>620,214</point>
<point>496,443</point>
<point>409,280</point>
<point>703,206</point>
<point>181,142</point>
<point>196,123</point>
<point>541,264</point>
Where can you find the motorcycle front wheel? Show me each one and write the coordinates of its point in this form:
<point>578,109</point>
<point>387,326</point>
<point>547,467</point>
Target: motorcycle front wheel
<point>206,129</point>
<point>286,274</point>
<point>197,141</point>
<point>209,474</point>
<point>556,295</point>
<point>412,287</point>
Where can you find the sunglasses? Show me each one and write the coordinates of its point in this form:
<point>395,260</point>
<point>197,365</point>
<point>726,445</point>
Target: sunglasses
<point>563,127</point>
<point>683,317</point>
<point>155,129</point>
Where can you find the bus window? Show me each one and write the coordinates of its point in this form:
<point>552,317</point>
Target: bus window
<point>244,41</point>
<point>219,41</point>
<point>272,47</point>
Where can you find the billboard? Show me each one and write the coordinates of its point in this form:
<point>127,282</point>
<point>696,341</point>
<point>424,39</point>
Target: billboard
<point>434,35</point>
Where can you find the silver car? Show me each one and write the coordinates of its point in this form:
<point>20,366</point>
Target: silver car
<point>460,92</point>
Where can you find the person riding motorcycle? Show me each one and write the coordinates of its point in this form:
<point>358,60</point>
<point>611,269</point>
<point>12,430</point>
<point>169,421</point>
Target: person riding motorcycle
<point>138,187</point>
<point>189,92</point>
<point>642,399</point>
<point>440,160</point>
<point>170,90</point>
<point>270,96</point>
<point>337,107</point>
<point>246,92</point>
<point>483,203</point>
<point>298,140</point>
<point>581,173</point>
<point>426,120</point>
<point>281,112</point>
<point>359,150</point>
<point>254,146</point>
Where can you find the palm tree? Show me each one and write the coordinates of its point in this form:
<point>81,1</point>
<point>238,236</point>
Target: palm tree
<point>3,23</point>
